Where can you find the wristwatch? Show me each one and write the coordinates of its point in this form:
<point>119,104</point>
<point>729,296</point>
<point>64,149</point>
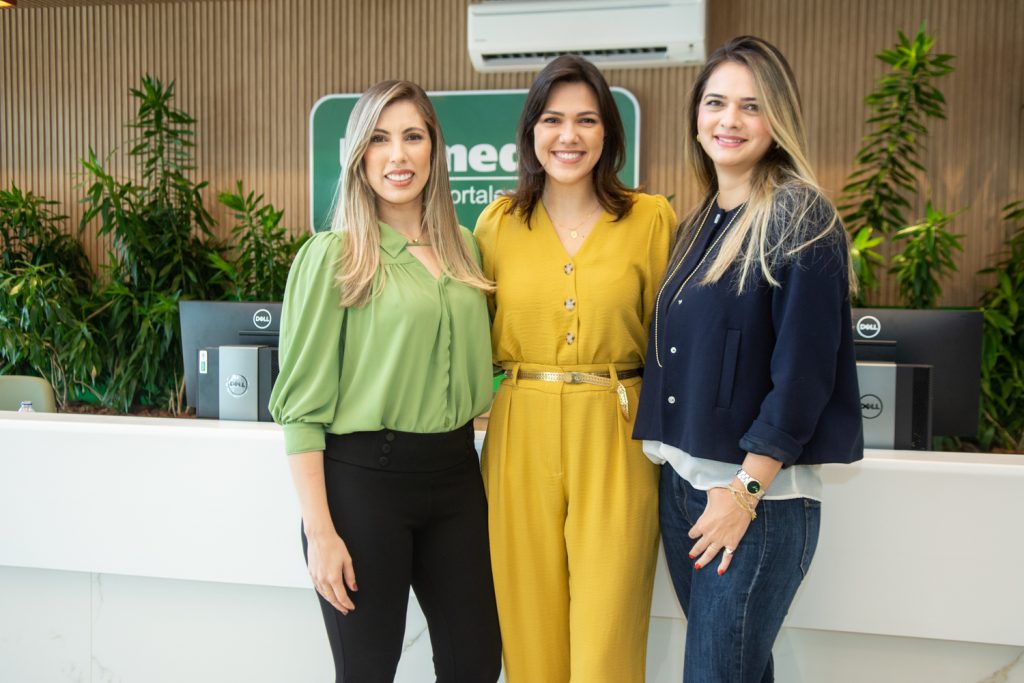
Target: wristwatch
<point>752,485</point>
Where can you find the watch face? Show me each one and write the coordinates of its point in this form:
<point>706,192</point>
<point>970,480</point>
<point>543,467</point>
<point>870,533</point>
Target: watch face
<point>753,487</point>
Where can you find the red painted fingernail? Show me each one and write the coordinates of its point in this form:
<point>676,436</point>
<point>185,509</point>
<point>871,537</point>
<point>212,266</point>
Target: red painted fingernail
<point>720,571</point>
<point>697,565</point>
<point>692,556</point>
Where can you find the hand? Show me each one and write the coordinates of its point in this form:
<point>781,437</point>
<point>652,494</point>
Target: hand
<point>330,567</point>
<point>722,526</point>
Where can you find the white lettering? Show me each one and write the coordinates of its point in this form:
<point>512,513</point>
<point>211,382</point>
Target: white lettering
<point>477,196</point>
<point>456,158</point>
<point>508,158</point>
<point>483,158</point>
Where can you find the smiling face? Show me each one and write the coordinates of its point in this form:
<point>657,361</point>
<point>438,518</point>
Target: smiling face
<point>397,158</point>
<point>568,138</point>
<point>731,127</point>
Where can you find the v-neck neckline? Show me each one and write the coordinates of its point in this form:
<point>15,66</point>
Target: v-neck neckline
<point>440,273</point>
<point>598,222</point>
<point>436,279</point>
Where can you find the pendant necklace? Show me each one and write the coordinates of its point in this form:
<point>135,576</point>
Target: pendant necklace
<point>417,242</point>
<point>574,232</point>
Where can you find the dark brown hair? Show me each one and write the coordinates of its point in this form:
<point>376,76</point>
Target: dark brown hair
<point>615,198</point>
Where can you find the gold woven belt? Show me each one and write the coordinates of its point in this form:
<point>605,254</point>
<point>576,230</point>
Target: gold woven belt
<point>601,379</point>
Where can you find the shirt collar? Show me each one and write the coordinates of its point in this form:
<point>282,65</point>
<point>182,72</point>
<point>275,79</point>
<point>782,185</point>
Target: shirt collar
<point>390,240</point>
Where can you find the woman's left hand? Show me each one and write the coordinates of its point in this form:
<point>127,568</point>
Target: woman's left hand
<point>719,529</point>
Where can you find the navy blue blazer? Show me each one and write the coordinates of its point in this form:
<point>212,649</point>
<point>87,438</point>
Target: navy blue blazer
<point>770,371</point>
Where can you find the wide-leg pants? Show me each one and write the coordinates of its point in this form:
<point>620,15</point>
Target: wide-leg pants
<point>411,509</point>
<point>573,518</point>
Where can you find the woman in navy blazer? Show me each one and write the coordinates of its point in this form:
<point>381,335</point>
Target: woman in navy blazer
<point>750,382</point>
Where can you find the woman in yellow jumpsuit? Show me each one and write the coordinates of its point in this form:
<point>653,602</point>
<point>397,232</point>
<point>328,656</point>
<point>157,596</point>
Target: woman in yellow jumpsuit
<point>573,501</point>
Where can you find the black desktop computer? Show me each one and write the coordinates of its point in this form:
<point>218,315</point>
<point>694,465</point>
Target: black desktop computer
<point>919,373</point>
<point>234,382</point>
<point>230,354</point>
<point>896,405</point>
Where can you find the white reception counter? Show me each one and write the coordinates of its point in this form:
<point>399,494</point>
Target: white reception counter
<point>136,549</point>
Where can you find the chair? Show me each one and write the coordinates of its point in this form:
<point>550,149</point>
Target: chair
<point>17,388</point>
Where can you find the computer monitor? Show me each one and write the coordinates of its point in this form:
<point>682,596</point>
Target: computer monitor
<point>223,323</point>
<point>949,340</point>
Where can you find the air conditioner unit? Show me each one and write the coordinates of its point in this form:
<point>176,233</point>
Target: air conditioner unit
<point>523,35</point>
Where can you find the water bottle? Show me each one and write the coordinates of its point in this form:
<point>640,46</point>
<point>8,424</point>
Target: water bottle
<point>26,407</point>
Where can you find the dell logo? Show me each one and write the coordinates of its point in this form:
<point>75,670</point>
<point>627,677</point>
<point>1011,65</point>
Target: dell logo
<point>868,327</point>
<point>870,406</point>
<point>237,385</point>
<point>262,318</point>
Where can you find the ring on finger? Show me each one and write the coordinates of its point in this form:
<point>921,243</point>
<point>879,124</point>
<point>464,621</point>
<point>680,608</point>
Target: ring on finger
<point>728,550</point>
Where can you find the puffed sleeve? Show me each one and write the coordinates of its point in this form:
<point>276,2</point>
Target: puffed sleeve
<point>486,233</point>
<point>807,317</point>
<point>305,395</point>
<point>663,226</point>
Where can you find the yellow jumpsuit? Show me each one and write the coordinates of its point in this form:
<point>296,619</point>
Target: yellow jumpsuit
<point>573,501</point>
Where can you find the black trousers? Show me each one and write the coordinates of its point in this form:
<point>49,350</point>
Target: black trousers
<point>412,511</point>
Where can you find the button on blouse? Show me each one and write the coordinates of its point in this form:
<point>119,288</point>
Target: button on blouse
<point>591,308</point>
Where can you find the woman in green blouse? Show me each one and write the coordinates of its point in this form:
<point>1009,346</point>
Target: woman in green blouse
<point>385,361</point>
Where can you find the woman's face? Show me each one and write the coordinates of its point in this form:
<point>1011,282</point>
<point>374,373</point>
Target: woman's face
<point>730,124</point>
<point>397,160</point>
<point>568,138</point>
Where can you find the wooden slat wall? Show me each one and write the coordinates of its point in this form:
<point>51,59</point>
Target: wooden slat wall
<point>250,70</point>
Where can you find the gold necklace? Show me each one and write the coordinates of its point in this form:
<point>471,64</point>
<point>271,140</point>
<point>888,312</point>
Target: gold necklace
<point>575,231</point>
<point>689,247</point>
<point>417,242</point>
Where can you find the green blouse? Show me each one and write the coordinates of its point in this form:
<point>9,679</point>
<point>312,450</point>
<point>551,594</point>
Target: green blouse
<point>416,358</point>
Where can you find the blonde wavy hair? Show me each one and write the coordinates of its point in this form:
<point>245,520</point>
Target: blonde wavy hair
<point>354,213</point>
<point>787,211</point>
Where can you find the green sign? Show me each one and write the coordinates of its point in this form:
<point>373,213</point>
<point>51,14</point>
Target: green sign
<point>479,129</point>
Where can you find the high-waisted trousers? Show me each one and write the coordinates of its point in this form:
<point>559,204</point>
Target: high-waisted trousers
<point>412,511</point>
<point>574,530</point>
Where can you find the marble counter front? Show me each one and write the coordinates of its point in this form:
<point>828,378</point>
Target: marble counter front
<point>171,546</point>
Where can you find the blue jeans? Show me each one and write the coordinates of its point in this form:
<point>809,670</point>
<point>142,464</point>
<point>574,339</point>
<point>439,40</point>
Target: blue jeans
<point>733,619</point>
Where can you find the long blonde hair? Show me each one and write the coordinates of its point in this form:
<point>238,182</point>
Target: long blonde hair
<point>354,213</point>
<point>787,210</point>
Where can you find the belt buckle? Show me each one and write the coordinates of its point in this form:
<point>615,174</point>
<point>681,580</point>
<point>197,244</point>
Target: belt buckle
<point>575,378</point>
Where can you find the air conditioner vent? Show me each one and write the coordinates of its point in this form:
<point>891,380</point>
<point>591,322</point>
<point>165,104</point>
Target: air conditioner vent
<point>621,55</point>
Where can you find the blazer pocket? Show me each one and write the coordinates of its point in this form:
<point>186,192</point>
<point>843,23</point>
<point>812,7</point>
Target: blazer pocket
<point>730,357</point>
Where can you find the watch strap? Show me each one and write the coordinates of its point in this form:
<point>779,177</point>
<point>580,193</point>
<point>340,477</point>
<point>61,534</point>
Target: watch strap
<point>752,485</point>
